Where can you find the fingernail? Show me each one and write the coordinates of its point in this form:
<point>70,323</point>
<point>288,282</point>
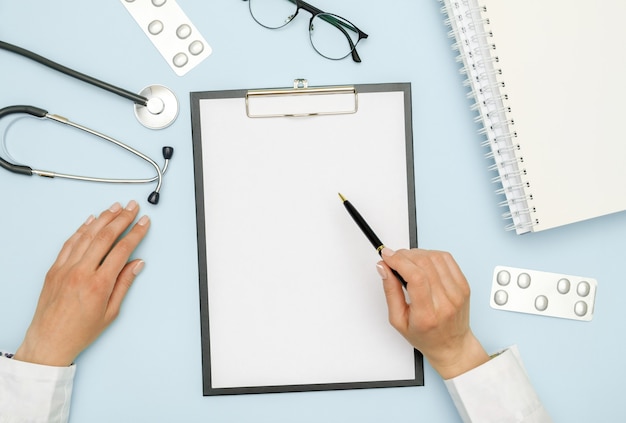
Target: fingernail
<point>132,204</point>
<point>138,267</point>
<point>387,252</point>
<point>381,271</point>
<point>90,219</point>
<point>143,221</point>
<point>115,207</point>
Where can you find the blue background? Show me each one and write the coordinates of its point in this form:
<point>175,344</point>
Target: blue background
<point>147,365</point>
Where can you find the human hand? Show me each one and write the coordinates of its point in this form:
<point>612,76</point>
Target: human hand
<point>85,286</point>
<point>435,320</point>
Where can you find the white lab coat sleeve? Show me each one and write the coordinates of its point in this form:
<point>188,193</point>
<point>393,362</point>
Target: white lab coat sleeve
<point>497,391</point>
<point>34,393</point>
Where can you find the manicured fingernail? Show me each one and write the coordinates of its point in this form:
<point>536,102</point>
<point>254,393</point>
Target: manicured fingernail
<point>138,267</point>
<point>90,219</point>
<point>132,204</point>
<point>381,271</point>
<point>115,207</point>
<point>387,252</point>
<point>143,221</point>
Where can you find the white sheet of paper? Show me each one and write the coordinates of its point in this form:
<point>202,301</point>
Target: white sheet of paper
<point>293,294</point>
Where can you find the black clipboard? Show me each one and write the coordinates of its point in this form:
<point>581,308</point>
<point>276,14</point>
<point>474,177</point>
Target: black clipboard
<point>289,296</point>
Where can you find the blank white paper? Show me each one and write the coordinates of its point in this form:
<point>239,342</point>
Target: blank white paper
<point>293,294</point>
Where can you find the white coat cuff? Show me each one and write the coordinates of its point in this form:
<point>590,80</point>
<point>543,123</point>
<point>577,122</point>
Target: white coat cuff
<point>33,392</point>
<point>497,391</point>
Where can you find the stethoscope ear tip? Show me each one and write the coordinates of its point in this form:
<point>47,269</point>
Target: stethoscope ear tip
<point>168,152</point>
<point>153,198</point>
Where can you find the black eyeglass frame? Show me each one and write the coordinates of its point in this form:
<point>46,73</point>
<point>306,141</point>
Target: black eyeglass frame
<point>328,17</point>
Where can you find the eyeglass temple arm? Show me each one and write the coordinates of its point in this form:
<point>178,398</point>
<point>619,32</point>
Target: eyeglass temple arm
<point>339,24</point>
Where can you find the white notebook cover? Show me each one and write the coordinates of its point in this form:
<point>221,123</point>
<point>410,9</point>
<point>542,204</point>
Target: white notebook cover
<point>550,82</point>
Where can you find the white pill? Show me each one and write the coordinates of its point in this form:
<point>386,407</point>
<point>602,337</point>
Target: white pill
<point>541,302</point>
<point>563,286</point>
<point>196,47</point>
<point>503,277</point>
<point>501,297</point>
<point>158,3</point>
<point>583,288</point>
<point>180,60</point>
<point>183,31</point>
<point>580,308</point>
<point>523,280</point>
<point>155,27</point>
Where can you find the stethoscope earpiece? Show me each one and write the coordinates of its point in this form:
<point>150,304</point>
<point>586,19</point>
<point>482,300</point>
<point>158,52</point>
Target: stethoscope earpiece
<point>168,152</point>
<point>153,198</point>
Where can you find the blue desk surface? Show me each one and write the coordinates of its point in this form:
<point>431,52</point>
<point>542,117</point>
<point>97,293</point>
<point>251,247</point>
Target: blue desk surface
<point>147,365</point>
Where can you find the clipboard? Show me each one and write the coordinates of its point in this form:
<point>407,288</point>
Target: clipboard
<point>289,296</point>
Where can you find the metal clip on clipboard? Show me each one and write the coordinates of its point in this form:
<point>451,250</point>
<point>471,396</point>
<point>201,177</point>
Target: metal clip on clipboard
<point>301,101</point>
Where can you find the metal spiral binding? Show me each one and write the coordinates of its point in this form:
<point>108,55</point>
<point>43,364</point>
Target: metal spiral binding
<point>503,190</point>
<point>493,126</point>
<point>508,149</point>
<point>506,203</point>
<point>511,178</point>
<point>510,162</point>
<point>509,140</point>
<point>469,26</point>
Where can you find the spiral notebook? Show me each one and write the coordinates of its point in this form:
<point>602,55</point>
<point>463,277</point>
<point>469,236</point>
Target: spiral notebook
<point>549,81</point>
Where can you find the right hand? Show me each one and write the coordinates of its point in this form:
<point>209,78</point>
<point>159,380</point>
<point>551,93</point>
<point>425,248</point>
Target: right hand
<point>435,320</point>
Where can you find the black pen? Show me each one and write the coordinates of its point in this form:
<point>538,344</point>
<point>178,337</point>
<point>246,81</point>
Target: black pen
<point>369,233</point>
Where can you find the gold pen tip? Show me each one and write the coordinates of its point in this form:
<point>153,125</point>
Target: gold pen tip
<point>342,197</point>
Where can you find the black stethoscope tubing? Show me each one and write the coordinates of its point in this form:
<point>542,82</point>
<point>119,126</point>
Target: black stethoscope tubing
<point>135,98</point>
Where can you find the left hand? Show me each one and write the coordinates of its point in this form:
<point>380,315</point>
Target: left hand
<point>83,290</point>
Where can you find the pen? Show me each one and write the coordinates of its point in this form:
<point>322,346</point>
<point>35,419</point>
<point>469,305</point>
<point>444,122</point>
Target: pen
<point>369,233</point>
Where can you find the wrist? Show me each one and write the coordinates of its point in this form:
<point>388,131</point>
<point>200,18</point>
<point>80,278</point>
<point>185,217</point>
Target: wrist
<point>40,356</point>
<point>468,355</point>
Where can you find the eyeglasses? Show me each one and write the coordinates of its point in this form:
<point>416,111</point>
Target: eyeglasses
<point>331,36</point>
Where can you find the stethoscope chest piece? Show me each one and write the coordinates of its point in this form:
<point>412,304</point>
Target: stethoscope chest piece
<point>161,109</point>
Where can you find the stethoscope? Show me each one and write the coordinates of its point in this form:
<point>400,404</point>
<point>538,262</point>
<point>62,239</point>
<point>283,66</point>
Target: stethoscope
<point>156,107</point>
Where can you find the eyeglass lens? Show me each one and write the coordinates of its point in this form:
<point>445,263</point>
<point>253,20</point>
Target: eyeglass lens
<point>331,36</point>
<point>273,14</point>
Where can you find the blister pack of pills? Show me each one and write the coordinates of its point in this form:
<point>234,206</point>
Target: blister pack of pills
<point>543,293</point>
<point>171,31</point>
